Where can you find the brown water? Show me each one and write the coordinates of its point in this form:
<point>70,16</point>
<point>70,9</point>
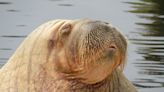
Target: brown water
<point>142,21</point>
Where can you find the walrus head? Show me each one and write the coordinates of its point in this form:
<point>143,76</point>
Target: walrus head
<point>86,50</point>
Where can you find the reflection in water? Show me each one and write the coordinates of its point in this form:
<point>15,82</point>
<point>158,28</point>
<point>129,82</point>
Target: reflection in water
<point>152,10</point>
<point>150,42</point>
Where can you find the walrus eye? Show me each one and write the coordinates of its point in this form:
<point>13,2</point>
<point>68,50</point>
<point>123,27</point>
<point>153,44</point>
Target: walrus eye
<point>106,22</point>
<point>112,49</point>
<point>66,29</point>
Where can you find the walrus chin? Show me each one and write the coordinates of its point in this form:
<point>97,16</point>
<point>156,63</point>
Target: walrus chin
<point>69,56</point>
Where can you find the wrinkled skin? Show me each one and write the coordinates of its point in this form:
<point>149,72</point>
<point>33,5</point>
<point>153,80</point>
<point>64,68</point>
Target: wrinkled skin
<point>68,56</point>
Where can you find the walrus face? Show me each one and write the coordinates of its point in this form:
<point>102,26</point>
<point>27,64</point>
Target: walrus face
<point>91,51</point>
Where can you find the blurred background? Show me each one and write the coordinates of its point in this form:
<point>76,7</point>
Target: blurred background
<point>142,21</point>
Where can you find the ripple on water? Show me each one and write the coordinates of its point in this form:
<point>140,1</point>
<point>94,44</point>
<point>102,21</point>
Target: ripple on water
<point>5,3</point>
<point>12,10</point>
<point>67,5</point>
<point>5,49</point>
<point>13,36</point>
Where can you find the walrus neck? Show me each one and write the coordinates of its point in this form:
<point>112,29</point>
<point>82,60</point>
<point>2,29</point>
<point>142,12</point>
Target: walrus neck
<point>119,83</point>
<point>116,82</point>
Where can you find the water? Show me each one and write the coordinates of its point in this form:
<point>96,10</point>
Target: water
<point>142,21</point>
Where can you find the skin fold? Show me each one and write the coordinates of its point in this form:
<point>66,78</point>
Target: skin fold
<point>81,55</point>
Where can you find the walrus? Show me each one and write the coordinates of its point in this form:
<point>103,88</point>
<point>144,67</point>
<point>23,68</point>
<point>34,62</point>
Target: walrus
<point>81,55</point>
